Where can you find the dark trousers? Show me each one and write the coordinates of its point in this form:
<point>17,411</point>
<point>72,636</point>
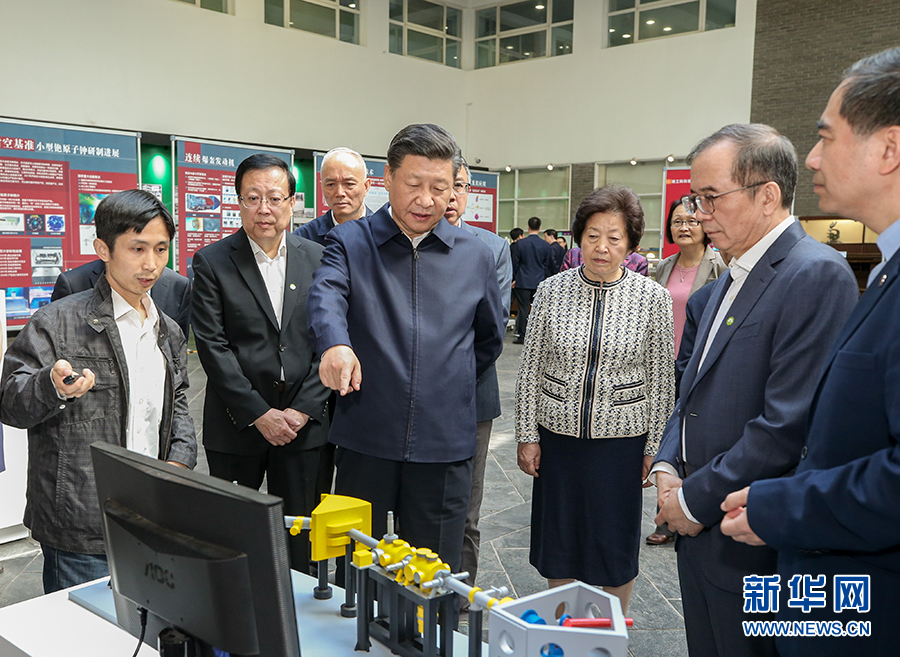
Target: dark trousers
<point>524,299</point>
<point>472,538</point>
<point>63,569</point>
<point>429,500</point>
<point>292,475</point>
<point>713,616</point>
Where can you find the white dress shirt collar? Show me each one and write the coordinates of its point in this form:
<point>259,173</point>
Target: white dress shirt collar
<point>742,266</point>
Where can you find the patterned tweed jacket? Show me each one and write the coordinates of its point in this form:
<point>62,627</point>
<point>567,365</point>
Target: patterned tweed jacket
<point>598,360</point>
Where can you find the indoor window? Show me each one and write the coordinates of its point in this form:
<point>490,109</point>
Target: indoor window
<point>338,19</point>
<point>630,21</point>
<point>523,30</point>
<point>427,30</point>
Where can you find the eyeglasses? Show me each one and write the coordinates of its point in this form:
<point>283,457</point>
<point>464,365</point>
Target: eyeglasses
<point>252,201</point>
<point>678,223</point>
<point>461,188</point>
<point>704,202</point>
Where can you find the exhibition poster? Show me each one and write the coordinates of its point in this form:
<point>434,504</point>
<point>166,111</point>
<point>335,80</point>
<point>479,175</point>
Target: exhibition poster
<point>481,209</point>
<point>677,184</point>
<point>51,179</point>
<point>207,206</point>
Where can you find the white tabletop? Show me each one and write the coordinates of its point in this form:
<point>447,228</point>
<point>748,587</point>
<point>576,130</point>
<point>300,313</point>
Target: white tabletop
<point>52,625</point>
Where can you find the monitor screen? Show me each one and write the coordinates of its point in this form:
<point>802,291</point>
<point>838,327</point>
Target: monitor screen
<point>206,556</point>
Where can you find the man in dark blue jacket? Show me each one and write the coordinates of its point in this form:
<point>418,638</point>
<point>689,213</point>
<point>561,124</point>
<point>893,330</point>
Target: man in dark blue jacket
<point>406,313</point>
<point>531,262</point>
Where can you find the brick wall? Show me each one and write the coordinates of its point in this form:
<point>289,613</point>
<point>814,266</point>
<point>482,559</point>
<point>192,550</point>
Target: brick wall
<point>801,49</point>
<point>581,185</point>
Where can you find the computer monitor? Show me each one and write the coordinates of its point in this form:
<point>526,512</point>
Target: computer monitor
<point>207,556</point>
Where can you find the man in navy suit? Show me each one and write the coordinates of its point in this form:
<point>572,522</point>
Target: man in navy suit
<point>839,514</point>
<point>171,293</point>
<point>487,388</point>
<point>531,261</point>
<point>345,183</point>
<point>746,390</point>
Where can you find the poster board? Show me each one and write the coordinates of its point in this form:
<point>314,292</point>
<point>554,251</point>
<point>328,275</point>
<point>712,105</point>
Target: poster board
<point>51,179</point>
<point>206,201</point>
<point>676,183</point>
<point>481,209</point>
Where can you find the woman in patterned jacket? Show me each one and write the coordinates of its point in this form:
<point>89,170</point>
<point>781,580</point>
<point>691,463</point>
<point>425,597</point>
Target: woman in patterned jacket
<point>594,392</point>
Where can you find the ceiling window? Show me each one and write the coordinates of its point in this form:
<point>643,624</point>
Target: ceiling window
<point>338,19</point>
<point>427,30</point>
<point>523,30</point>
<point>630,21</point>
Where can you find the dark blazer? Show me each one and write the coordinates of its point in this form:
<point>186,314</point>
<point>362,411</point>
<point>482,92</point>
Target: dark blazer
<point>693,312</point>
<point>425,324</point>
<point>318,228</point>
<point>487,388</point>
<point>557,255</point>
<point>745,410</point>
<point>171,293</point>
<point>839,514</point>
<point>243,351</point>
<point>531,262</point>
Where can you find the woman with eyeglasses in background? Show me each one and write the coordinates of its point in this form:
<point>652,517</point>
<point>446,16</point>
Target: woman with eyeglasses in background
<point>695,264</point>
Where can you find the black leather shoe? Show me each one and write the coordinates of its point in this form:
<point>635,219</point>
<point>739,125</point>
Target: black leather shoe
<point>658,538</point>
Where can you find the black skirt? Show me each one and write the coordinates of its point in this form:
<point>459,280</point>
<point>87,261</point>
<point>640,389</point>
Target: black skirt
<point>586,509</point>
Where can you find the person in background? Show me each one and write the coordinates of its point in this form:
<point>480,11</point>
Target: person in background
<point>514,235</point>
<point>572,260</point>
<point>531,262</point>
<point>593,395</point>
<point>345,183</point>
<point>99,365</point>
<point>487,387</point>
<point>637,263</point>
<point>695,264</point>
<point>171,293</point>
<point>562,242</point>
<point>557,252</point>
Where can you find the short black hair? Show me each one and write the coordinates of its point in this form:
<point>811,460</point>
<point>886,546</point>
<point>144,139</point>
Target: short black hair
<point>534,223</point>
<point>131,209</point>
<point>872,92</point>
<point>425,140</point>
<point>612,198</point>
<point>552,233</point>
<point>763,154</point>
<point>669,235</point>
<point>260,162</point>
<point>516,233</point>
